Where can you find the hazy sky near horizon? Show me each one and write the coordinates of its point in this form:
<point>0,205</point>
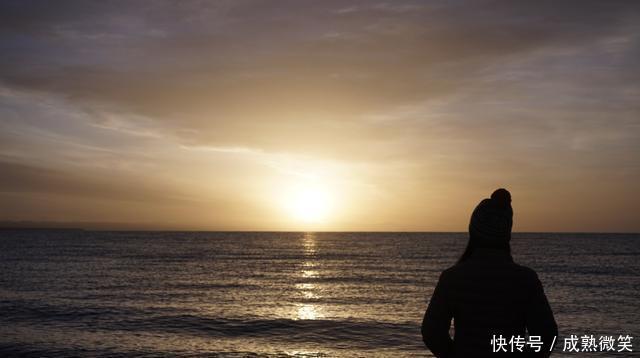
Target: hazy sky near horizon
<point>394,115</point>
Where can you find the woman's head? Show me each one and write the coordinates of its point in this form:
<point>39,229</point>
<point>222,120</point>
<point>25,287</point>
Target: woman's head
<point>491,223</point>
<point>492,219</point>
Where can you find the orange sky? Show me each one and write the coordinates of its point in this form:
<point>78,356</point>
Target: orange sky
<point>322,115</point>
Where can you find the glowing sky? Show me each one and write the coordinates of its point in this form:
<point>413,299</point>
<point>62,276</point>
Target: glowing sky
<point>402,115</point>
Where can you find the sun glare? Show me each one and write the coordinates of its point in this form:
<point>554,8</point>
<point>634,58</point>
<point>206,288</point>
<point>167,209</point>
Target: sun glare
<point>309,205</point>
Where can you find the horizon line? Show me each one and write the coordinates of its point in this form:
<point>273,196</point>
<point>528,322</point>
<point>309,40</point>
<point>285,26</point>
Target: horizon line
<point>44,228</point>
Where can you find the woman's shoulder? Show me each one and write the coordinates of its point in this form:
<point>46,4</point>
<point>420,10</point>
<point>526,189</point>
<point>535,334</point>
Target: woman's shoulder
<point>526,271</point>
<point>508,269</point>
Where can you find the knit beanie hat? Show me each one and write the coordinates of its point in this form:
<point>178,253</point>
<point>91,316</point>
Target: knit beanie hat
<point>491,221</point>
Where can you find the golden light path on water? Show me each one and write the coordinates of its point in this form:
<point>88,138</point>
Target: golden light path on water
<point>308,271</point>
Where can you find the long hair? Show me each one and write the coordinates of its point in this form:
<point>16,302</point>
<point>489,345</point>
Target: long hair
<point>475,244</point>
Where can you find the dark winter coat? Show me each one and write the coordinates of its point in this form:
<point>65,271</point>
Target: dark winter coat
<point>486,295</point>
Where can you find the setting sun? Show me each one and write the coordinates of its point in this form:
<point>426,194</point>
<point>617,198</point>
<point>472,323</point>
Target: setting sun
<point>309,204</point>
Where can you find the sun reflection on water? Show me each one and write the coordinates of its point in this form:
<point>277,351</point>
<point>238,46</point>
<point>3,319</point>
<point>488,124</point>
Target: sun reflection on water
<point>309,273</point>
<point>309,270</point>
<point>309,243</point>
<point>308,290</point>
<point>307,311</point>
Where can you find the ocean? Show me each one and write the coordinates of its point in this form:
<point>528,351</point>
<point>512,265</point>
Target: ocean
<point>279,294</point>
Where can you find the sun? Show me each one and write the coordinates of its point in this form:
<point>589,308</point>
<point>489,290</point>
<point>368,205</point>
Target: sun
<point>309,204</point>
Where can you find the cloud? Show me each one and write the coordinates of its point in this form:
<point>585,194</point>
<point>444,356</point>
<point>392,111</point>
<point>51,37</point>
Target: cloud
<point>282,76</point>
<point>21,178</point>
<point>409,93</point>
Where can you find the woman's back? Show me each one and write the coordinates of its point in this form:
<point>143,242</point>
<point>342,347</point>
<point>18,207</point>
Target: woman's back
<point>490,298</point>
<point>488,295</point>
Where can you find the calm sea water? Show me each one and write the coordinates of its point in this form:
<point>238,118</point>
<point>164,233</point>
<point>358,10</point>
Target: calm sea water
<point>157,294</point>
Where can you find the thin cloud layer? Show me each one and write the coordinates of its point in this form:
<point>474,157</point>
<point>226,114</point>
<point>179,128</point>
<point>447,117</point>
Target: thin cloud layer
<point>525,93</point>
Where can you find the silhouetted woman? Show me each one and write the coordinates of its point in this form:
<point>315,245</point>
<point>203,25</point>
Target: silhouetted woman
<point>488,295</point>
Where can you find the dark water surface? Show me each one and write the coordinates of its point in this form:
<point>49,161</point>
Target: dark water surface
<point>162,294</point>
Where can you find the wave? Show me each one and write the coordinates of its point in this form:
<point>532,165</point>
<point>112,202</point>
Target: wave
<point>319,331</point>
<point>357,333</point>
